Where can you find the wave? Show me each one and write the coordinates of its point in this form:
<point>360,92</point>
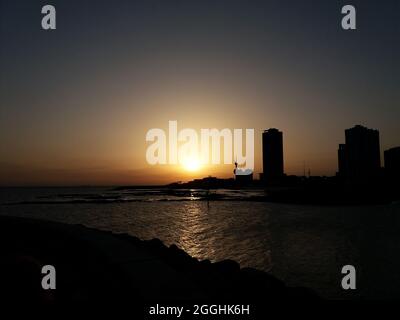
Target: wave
<point>141,196</point>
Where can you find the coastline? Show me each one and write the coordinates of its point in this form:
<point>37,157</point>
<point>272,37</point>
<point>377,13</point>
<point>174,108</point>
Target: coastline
<point>94,265</point>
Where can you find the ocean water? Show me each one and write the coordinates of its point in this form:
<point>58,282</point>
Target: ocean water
<point>302,245</point>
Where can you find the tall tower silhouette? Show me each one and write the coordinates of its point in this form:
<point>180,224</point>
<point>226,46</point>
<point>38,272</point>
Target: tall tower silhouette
<point>360,156</point>
<point>272,148</point>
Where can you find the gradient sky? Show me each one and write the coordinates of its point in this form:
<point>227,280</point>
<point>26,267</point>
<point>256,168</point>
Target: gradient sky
<point>76,103</point>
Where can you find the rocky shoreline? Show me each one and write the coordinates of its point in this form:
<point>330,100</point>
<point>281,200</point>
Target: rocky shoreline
<point>95,265</point>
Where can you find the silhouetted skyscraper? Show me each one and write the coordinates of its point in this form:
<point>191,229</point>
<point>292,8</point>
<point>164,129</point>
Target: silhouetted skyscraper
<point>272,148</point>
<point>342,160</point>
<point>392,162</point>
<point>360,156</point>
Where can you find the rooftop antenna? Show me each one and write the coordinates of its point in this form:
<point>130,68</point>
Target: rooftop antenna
<point>234,170</point>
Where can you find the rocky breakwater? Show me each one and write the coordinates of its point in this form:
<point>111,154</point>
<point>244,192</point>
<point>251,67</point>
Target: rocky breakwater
<point>93,265</point>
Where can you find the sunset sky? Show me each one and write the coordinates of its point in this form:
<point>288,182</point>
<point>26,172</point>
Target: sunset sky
<point>76,102</point>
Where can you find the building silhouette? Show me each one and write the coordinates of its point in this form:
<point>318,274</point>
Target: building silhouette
<point>359,157</point>
<point>272,149</point>
<point>392,162</point>
<point>242,176</point>
<point>343,170</point>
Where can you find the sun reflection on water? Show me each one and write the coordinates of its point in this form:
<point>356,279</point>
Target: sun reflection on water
<point>194,217</point>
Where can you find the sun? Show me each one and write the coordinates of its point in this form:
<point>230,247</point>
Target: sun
<point>191,164</point>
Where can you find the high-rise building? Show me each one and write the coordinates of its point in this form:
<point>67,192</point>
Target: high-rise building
<point>392,162</point>
<point>342,160</point>
<point>272,148</point>
<point>360,156</point>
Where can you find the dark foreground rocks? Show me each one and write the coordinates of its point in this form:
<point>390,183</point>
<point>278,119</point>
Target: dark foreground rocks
<point>98,266</point>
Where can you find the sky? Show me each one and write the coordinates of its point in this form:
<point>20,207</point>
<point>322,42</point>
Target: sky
<point>76,102</point>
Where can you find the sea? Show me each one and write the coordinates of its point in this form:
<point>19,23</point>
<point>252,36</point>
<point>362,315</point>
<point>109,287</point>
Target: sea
<point>303,245</point>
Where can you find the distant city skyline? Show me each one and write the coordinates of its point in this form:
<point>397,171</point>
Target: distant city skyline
<point>76,102</point>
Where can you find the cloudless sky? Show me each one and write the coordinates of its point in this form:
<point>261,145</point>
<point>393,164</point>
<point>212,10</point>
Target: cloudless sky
<point>76,102</point>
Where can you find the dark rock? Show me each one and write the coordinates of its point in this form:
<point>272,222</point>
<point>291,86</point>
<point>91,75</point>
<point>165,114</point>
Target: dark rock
<point>226,266</point>
<point>86,267</point>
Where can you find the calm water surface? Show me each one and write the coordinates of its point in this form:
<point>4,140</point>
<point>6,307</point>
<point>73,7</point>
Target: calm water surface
<point>302,245</point>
